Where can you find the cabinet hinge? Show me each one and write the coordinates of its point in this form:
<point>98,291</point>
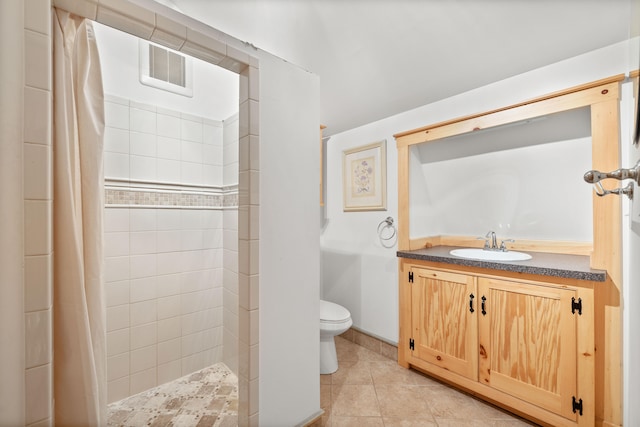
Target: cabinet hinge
<point>577,405</point>
<point>411,344</point>
<point>576,305</point>
<point>411,277</point>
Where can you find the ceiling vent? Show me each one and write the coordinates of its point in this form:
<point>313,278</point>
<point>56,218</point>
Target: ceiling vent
<point>165,69</point>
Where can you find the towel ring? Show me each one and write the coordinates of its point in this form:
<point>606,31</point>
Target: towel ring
<point>384,224</point>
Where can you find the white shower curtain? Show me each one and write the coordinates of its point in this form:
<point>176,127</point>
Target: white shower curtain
<point>79,308</point>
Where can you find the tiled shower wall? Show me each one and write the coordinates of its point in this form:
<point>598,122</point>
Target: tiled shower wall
<point>164,230</point>
<point>38,195</point>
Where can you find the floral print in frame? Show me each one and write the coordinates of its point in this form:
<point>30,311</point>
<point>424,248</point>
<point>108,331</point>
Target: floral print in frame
<point>364,177</point>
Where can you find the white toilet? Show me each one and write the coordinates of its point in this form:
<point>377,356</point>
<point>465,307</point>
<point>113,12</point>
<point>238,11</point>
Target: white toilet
<point>334,320</point>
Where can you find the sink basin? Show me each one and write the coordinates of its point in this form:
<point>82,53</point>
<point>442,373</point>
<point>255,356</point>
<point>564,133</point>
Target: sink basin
<point>483,255</point>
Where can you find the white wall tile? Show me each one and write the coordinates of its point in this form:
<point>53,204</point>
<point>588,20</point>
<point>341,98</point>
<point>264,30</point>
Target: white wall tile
<point>143,335</point>
<point>168,126</point>
<point>142,121</point>
<point>118,342</point>
<point>143,242</point>
<point>169,263</point>
<point>141,381</point>
<point>142,266</point>
<point>169,241</point>
<point>143,289</point>
<point>143,312</point>
<point>37,282</point>
<point>116,115</point>
<point>169,371</point>
<point>169,171</point>
<point>191,240</point>
<point>117,389</point>
<point>169,351</point>
<point>143,219</point>
<point>143,358</point>
<point>116,165</point>
<point>37,16</point>
<point>192,219</point>
<point>168,148</point>
<point>191,173</point>
<point>38,386</point>
<point>116,269</point>
<point>37,60</point>
<point>117,317</point>
<point>117,293</point>
<point>37,169</point>
<point>212,134</point>
<point>212,175</point>
<point>211,154</point>
<point>116,244</point>
<point>190,130</point>
<point>191,151</point>
<point>37,226</point>
<point>38,342</point>
<point>116,140</point>
<point>116,219</point>
<point>169,219</point>
<point>192,281</point>
<point>168,307</point>
<point>143,168</point>
<point>168,285</point>
<point>118,366</point>
<point>37,103</point>
<point>143,144</point>
<point>169,328</point>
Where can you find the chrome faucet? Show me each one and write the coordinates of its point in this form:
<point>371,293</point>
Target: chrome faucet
<point>491,242</point>
<point>494,243</point>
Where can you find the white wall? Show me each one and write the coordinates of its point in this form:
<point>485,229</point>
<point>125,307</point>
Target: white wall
<point>357,272</point>
<point>289,248</point>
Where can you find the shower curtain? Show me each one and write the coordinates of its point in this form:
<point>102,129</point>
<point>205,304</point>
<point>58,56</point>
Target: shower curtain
<point>79,309</point>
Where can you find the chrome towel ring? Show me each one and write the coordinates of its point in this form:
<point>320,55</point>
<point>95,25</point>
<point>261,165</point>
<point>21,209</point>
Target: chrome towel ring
<point>388,238</point>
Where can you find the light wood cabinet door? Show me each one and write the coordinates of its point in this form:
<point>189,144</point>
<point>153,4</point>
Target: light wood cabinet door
<point>444,324</point>
<point>527,341</point>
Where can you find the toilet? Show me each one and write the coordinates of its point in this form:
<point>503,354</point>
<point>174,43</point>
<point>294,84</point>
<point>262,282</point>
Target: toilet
<point>334,320</point>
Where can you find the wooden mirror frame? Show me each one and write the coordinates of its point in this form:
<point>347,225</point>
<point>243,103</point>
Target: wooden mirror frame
<point>602,97</point>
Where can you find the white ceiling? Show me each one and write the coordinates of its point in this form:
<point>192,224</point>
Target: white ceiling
<point>377,58</point>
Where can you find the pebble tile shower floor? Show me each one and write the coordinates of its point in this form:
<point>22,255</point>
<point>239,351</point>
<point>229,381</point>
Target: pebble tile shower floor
<point>206,398</point>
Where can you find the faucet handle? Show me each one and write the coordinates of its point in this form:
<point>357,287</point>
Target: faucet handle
<point>486,241</point>
<point>503,246</point>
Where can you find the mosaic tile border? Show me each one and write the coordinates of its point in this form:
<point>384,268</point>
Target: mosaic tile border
<point>168,198</point>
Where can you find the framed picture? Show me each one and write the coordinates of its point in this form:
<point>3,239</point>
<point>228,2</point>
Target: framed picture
<point>364,177</point>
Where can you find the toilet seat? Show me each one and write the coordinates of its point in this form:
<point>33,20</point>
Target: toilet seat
<point>333,313</point>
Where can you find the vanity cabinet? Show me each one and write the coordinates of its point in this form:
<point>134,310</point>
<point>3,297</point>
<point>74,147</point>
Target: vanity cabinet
<point>517,343</point>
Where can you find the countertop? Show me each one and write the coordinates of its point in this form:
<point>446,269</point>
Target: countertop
<point>545,264</point>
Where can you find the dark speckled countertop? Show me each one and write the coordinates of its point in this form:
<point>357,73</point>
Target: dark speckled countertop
<point>545,264</point>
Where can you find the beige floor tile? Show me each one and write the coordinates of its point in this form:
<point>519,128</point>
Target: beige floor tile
<point>412,422</point>
<point>447,403</point>
<point>390,372</point>
<point>351,400</point>
<point>402,401</point>
<point>325,379</point>
<point>352,372</point>
<point>325,398</point>
<point>349,351</point>
<point>357,422</point>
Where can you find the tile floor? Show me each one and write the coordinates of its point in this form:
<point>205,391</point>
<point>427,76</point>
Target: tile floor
<point>371,390</point>
<point>206,398</point>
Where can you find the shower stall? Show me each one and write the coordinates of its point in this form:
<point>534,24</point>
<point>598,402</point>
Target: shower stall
<point>171,214</point>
